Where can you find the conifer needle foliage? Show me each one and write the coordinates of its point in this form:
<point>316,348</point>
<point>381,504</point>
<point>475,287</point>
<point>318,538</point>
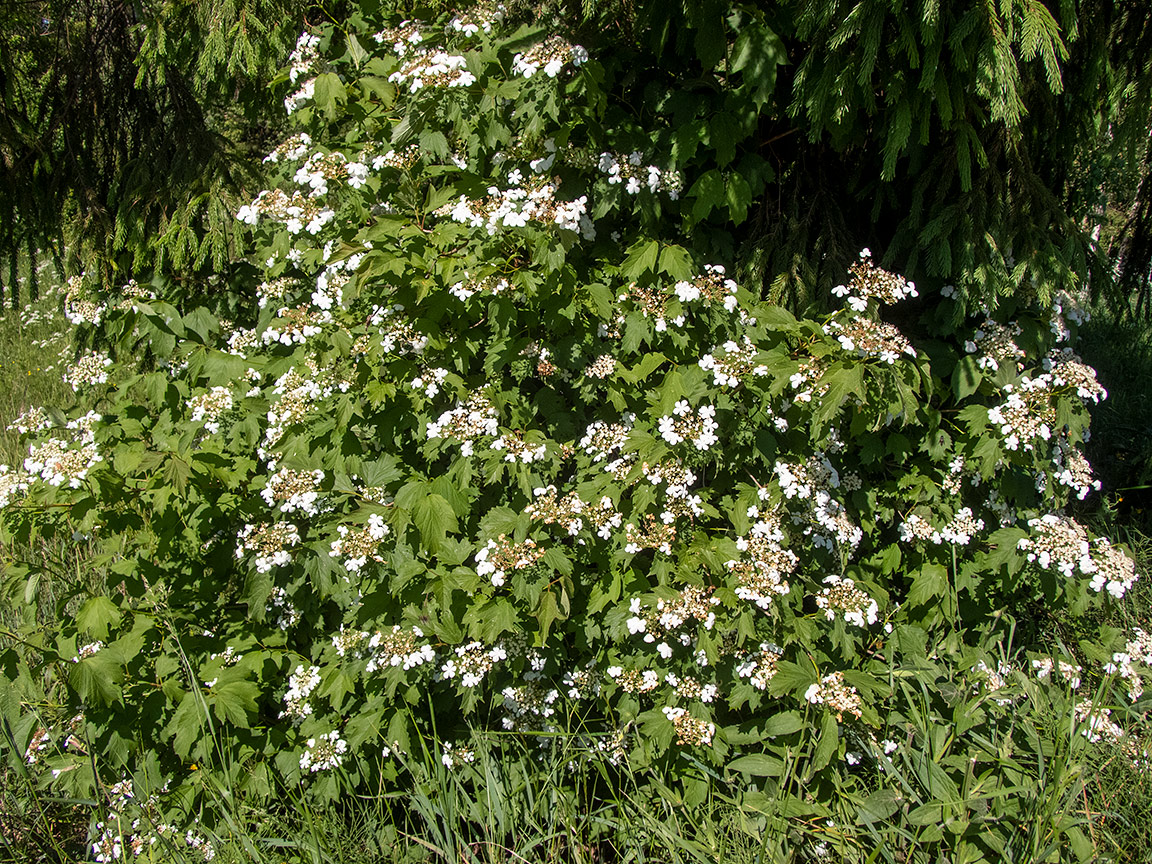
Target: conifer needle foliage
<point>122,133</point>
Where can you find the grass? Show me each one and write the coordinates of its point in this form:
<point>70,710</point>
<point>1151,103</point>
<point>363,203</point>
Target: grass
<point>34,350</point>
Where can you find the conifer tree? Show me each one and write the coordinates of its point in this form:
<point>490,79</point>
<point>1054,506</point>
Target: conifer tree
<point>982,144</point>
<point>123,126</point>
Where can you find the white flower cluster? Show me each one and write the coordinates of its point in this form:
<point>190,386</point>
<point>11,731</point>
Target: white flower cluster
<point>455,755</point>
<point>735,364</point>
<point>667,624</point>
<point>760,668</point>
<point>602,367</point>
<point>269,542</point>
<point>1073,470</point>
<point>291,150</point>
<point>227,657</point>
<point>684,424</point>
<point>300,686</point>
<point>713,288</point>
<point>679,500</point>
<point>84,427</point>
<point>764,564</point>
<point>1061,542</point>
<point>1065,309</point>
<point>806,380</point>
<point>993,681</point>
<point>502,556</point>
<point>35,419</point>
<point>516,449</point>
<point>843,597</point>
<point>433,68</point>
<point>337,272</point>
<point>296,326</point>
<point>1114,571</point>
<point>350,643</point>
<point>114,842</point>
<point>871,282</point>
<point>397,336</point>
<point>601,439</point>
<point>550,56</point>
<point>208,408</point>
<point>109,845</point>
<point>571,511</point>
<point>298,394</point>
<point>834,692</point>
<point>633,680</point>
<point>58,464</point>
<point>320,168</point>
<point>1137,654</point>
<point>91,649</point>
<point>79,308</point>
<point>1058,541</point>
<point>481,18</point>
<point>472,662</point>
<point>1027,414</point>
<point>469,286</point>
<point>275,290</point>
<point>515,207</point>
<point>301,97</point>
<point>1068,370</point>
<point>635,175</point>
<point>402,647</point>
<point>243,340</point>
<point>652,301</point>
<point>294,490</point>
<point>324,752</point>
<point>13,485</point>
<point>359,546</point>
<point>1044,667</point>
<point>302,62</point>
<point>534,700</point>
<point>304,56</point>
<point>88,371</point>
<point>690,730</point>
<point>429,381</point>
<point>813,483</point>
<point>1098,723</point>
<point>650,535</point>
<point>689,687</point>
<point>37,744</point>
<point>996,344</point>
<point>401,160</point>
<point>962,528</point>
<point>868,338</point>
<point>959,531</point>
<point>803,481</point>
<point>582,683</point>
<point>400,37</point>
<point>916,527</point>
<point>298,212</point>
<point>287,615</point>
<point>473,419</point>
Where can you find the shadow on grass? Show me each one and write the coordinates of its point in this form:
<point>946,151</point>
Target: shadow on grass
<point>1121,447</point>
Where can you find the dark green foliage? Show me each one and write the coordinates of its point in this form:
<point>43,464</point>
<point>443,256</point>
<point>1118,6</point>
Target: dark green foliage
<point>126,129</point>
<point>964,140</point>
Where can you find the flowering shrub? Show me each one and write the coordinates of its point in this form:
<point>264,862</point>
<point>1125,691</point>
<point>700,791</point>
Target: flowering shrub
<point>487,443</point>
